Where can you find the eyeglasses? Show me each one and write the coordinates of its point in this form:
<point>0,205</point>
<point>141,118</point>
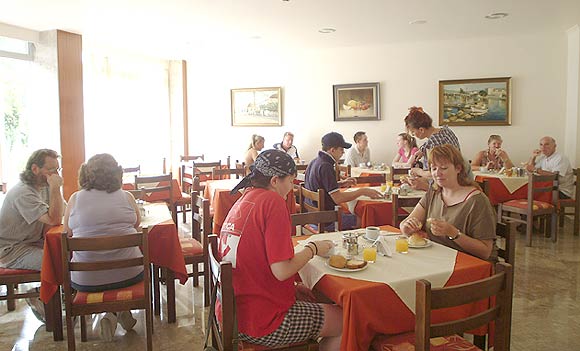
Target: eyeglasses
<point>54,169</point>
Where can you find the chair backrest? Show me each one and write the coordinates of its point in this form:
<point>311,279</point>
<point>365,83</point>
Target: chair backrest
<point>542,184</point>
<point>320,218</point>
<point>137,194</point>
<point>397,173</point>
<point>100,243</point>
<point>187,158</point>
<point>186,175</point>
<point>499,285</point>
<point>204,170</point>
<point>161,186</point>
<point>201,219</point>
<point>316,203</point>
<point>508,251</point>
<point>342,171</point>
<point>372,180</point>
<point>136,169</point>
<point>484,185</point>
<point>222,173</point>
<point>401,202</point>
<point>221,277</point>
<point>301,168</point>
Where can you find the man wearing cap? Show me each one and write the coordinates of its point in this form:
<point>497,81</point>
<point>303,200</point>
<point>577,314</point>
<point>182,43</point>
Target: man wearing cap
<point>321,174</point>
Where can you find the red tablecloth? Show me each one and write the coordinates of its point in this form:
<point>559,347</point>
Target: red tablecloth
<point>371,308</point>
<point>154,197</point>
<point>498,192</point>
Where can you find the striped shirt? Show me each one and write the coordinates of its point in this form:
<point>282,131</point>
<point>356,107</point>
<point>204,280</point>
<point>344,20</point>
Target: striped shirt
<point>442,137</point>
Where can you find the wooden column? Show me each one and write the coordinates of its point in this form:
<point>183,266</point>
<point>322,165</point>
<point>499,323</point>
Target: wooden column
<point>70,93</point>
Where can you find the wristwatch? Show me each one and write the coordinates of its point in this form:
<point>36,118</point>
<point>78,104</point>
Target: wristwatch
<point>459,233</point>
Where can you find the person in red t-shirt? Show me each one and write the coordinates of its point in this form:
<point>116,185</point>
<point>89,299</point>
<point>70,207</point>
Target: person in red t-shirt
<point>255,238</point>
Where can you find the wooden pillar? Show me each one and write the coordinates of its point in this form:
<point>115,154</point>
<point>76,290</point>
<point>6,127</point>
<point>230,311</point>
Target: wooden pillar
<point>70,93</point>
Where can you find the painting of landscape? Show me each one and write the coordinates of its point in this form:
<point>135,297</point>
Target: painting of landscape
<point>475,102</point>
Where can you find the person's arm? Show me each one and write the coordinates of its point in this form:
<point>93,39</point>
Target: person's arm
<point>414,222</point>
<point>477,247</point>
<point>133,203</point>
<point>532,161</point>
<point>345,196</point>
<point>55,202</point>
<point>286,269</point>
<point>503,155</point>
<point>396,159</point>
<point>71,204</point>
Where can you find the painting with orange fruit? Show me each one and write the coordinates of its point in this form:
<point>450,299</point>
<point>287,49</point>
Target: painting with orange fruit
<point>356,102</point>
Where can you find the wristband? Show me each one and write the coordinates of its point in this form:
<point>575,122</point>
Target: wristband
<point>459,233</point>
<point>311,250</point>
<point>313,243</point>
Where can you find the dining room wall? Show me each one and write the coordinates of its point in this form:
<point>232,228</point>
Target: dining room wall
<point>408,74</point>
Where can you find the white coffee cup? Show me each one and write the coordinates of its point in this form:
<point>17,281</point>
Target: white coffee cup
<point>483,169</point>
<point>372,233</point>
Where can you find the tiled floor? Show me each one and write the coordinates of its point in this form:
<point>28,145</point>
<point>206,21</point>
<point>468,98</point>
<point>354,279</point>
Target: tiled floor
<point>546,310</point>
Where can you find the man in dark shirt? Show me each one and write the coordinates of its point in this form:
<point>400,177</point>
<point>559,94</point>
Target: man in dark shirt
<point>321,174</point>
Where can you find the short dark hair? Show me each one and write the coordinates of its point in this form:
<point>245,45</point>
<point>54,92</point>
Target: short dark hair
<point>101,172</point>
<point>358,136</point>
<point>417,118</point>
<point>38,158</point>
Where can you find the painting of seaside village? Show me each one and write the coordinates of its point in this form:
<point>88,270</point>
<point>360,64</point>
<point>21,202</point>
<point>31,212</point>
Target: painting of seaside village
<point>475,102</point>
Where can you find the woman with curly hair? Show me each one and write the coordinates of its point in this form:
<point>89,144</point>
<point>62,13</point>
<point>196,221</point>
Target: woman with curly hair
<point>100,208</point>
<point>256,145</point>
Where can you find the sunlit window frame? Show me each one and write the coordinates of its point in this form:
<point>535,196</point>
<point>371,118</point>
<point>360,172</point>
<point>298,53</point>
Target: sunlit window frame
<point>15,55</point>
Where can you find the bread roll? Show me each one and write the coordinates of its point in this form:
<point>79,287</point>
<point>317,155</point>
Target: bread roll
<point>417,240</point>
<point>337,261</point>
<point>354,264</point>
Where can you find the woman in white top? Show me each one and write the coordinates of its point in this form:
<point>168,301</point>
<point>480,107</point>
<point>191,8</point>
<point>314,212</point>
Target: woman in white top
<point>100,208</point>
<point>254,149</point>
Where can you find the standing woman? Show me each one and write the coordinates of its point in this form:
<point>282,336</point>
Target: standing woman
<point>101,208</point>
<point>494,157</point>
<point>256,145</point>
<point>407,150</point>
<point>256,239</point>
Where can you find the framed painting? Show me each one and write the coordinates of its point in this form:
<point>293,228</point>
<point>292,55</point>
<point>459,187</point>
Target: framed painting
<point>357,102</point>
<point>257,107</point>
<point>475,102</point>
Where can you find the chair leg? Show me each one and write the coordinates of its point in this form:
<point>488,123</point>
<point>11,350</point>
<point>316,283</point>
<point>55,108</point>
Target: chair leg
<point>576,220</point>
<point>195,274</point>
<point>10,299</point>
<point>479,341</point>
<point>149,328</point>
<point>206,278</point>
<point>156,295</point>
<point>561,216</point>
<point>70,332</point>
<point>170,284</point>
<point>83,327</point>
<point>554,227</point>
<point>529,228</point>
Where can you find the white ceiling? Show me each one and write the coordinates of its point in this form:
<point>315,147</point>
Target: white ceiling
<point>172,27</point>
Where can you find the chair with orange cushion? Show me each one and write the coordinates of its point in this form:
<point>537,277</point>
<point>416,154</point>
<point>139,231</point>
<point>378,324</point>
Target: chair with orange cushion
<point>445,336</point>
<point>531,208</point>
<point>78,303</point>
<point>160,189</point>
<point>319,218</point>
<point>224,332</point>
<point>11,278</point>
<point>574,203</point>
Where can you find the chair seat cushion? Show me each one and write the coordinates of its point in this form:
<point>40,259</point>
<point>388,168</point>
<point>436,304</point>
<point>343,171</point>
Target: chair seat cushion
<point>10,271</point>
<point>132,292</point>
<point>406,342</point>
<point>246,346</point>
<point>523,204</point>
<point>190,247</point>
<point>184,200</point>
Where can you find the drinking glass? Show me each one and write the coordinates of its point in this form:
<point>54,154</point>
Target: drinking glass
<point>383,187</point>
<point>370,254</point>
<point>402,244</point>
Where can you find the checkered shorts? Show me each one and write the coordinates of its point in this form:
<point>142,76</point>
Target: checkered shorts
<point>303,321</point>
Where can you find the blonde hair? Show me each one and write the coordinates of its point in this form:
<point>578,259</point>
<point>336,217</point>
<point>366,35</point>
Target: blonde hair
<point>255,140</point>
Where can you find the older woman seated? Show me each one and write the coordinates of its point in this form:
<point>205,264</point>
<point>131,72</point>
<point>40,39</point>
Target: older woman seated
<point>494,157</point>
<point>102,208</point>
<point>455,213</point>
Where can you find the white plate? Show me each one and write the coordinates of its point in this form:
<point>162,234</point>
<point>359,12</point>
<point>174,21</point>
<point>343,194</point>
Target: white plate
<point>347,269</point>
<point>429,243</point>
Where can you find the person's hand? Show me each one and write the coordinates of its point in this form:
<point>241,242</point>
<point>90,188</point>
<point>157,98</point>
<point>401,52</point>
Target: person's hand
<point>489,165</point>
<point>536,152</point>
<point>372,193</point>
<point>418,155</point>
<point>411,225</point>
<point>418,183</point>
<point>54,180</point>
<point>415,172</point>
<point>501,154</point>
<point>350,181</point>
<point>323,247</point>
<point>530,167</point>
<point>303,293</point>
<point>442,228</point>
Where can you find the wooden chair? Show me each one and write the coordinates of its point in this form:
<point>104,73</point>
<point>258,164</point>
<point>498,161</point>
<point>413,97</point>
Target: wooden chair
<point>188,158</point>
<point>405,203</point>
<point>574,203</point>
<point>301,168</point>
<point>446,335</point>
<point>320,218</point>
<point>134,297</point>
<point>242,165</point>
<point>224,334</point>
<point>342,171</point>
<point>137,194</point>
<point>508,249</point>
<point>397,173</point>
<point>223,173</point>
<point>531,208</point>
<point>372,180</point>
<point>11,278</point>
<point>316,198</point>
<point>136,169</point>
<point>158,189</point>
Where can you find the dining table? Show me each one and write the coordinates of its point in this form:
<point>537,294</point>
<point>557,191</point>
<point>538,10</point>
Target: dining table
<point>380,297</point>
<point>367,171</point>
<point>221,201</point>
<point>503,187</point>
<point>376,212</point>
<point>164,251</point>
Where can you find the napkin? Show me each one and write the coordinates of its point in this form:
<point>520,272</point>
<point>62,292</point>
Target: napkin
<point>383,248</point>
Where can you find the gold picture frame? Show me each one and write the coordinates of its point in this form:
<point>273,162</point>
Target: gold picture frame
<point>257,106</point>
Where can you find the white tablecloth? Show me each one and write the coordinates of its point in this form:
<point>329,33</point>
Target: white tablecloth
<point>511,183</point>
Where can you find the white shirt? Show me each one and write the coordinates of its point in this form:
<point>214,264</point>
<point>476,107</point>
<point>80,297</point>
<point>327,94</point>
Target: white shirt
<point>354,157</point>
<point>557,162</point>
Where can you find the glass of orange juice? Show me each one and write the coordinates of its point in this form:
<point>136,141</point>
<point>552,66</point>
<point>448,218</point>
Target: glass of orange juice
<point>402,244</point>
<point>383,187</point>
<point>370,254</point>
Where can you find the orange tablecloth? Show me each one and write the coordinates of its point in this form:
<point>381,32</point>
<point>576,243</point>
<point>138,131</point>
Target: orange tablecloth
<point>153,197</point>
<point>164,250</point>
<point>371,308</point>
<point>498,193</point>
<point>222,202</point>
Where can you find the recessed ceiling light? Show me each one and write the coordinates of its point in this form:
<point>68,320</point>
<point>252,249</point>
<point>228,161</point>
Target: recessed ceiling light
<point>255,37</point>
<point>326,30</point>
<point>418,21</point>
<point>497,15</point>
